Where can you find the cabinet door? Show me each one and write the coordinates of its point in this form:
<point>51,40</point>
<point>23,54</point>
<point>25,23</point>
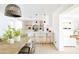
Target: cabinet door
<point>66,37</point>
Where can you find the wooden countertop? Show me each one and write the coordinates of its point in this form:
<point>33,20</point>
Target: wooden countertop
<point>6,48</point>
<point>74,36</point>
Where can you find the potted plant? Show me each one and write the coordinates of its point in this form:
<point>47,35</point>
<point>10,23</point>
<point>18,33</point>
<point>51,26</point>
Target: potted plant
<point>8,35</point>
<point>17,35</point>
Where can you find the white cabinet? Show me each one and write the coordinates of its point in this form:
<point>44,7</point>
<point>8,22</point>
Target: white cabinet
<point>43,37</point>
<point>67,40</point>
<point>67,29</point>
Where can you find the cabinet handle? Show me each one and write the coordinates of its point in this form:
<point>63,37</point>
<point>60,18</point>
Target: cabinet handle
<point>67,28</point>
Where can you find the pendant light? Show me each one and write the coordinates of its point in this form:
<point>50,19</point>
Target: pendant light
<point>12,10</point>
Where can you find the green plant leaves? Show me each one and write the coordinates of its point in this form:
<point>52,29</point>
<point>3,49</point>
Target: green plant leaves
<point>11,32</point>
<point>17,32</point>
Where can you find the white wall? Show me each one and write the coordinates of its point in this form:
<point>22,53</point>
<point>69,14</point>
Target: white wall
<point>56,30</point>
<point>3,23</point>
<point>56,25</point>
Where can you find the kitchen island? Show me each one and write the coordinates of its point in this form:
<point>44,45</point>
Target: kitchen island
<point>6,48</point>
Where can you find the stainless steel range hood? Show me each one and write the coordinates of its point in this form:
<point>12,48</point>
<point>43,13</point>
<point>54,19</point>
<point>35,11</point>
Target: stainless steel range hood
<point>12,10</point>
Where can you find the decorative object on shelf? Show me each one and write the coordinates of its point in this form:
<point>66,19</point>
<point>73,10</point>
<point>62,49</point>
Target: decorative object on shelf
<point>13,10</point>
<point>47,29</point>
<point>29,28</point>
<point>44,21</point>
<point>40,28</point>
<point>36,21</point>
<point>35,27</point>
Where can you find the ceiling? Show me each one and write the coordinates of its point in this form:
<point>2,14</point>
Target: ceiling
<point>29,10</point>
<point>72,12</point>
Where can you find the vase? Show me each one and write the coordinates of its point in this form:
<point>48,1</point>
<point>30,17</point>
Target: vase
<point>17,39</point>
<point>11,41</point>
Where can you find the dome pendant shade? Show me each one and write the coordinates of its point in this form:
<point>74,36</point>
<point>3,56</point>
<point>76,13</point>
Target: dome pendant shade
<point>12,10</point>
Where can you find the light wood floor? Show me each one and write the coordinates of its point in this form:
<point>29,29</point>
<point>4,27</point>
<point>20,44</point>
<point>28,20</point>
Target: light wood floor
<point>50,49</point>
<point>72,50</point>
<point>44,48</point>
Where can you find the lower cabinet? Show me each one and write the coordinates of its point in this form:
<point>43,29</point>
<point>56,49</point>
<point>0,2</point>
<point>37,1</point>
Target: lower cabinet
<point>43,37</point>
<point>68,41</point>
